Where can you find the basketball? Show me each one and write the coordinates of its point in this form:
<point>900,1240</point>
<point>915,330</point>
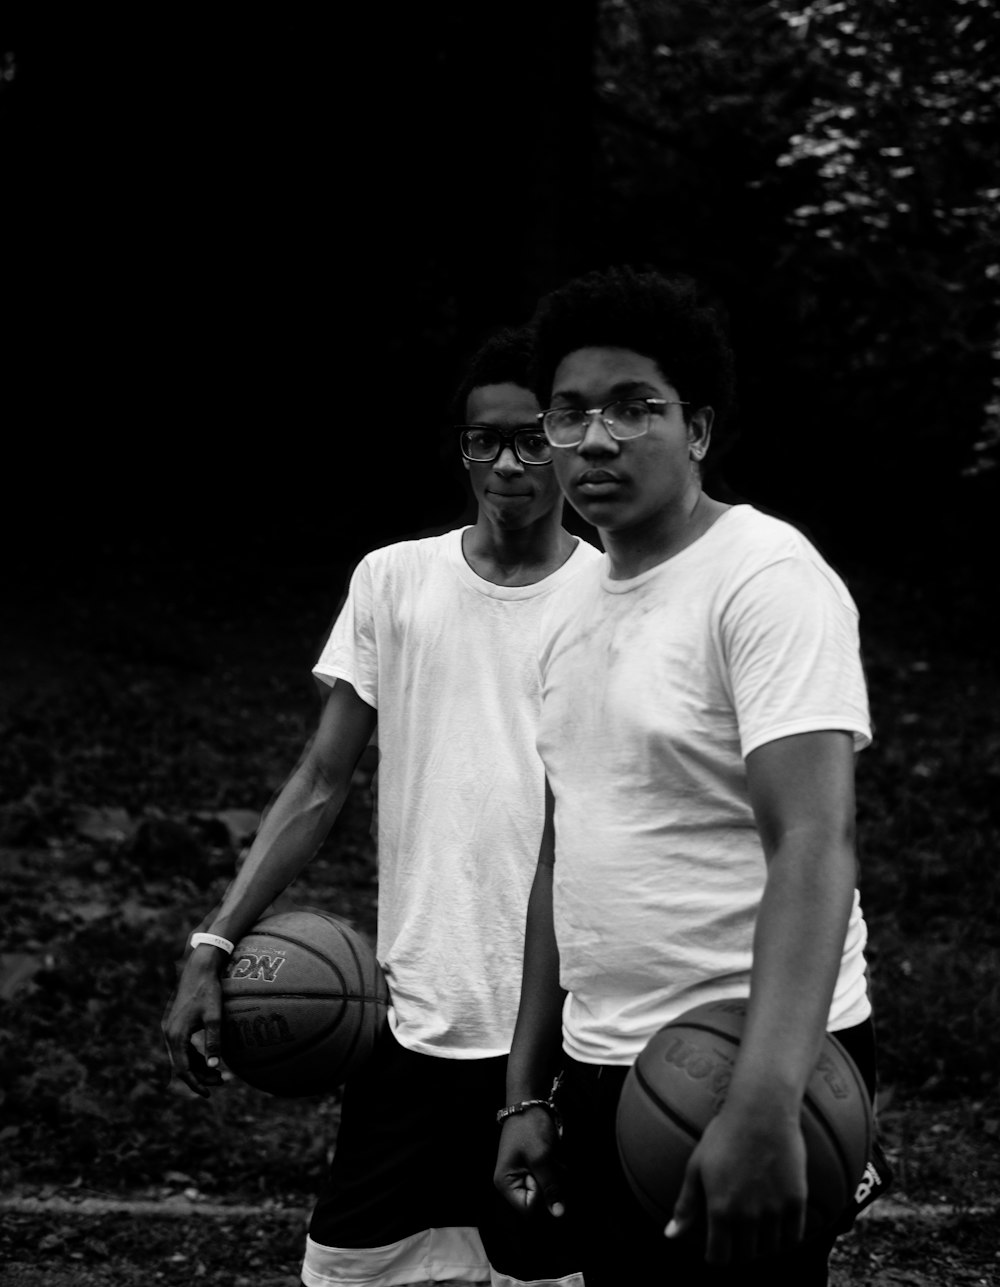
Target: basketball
<point>679,1082</point>
<point>303,1001</point>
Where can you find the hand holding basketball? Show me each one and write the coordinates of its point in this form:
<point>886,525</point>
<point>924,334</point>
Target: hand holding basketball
<point>747,1176</point>
<point>759,1173</point>
<point>196,1008</point>
<point>304,1001</point>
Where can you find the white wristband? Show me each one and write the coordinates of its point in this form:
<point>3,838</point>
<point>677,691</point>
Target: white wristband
<point>215,940</point>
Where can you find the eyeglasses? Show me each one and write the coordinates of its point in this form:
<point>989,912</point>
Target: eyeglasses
<point>629,418</point>
<point>483,444</point>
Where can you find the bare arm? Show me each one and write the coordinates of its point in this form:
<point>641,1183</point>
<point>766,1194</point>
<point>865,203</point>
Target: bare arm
<point>749,1169</point>
<point>526,1168</point>
<point>291,832</point>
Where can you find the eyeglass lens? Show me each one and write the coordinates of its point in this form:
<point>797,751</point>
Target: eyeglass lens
<point>530,445</point>
<point>627,419</point>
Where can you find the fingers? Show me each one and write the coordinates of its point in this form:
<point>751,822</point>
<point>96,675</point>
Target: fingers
<point>213,1039</point>
<point>761,1237</point>
<point>733,1235</point>
<point>791,1230</point>
<point>188,1065</point>
<point>550,1190</point>
<point>527,1171</point>
<point>687,1208</point>
<point>192,1033</point>
<point>527,1190</point>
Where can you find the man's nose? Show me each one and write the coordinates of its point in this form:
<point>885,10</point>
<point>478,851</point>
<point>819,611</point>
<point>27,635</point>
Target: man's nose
<point>507,462</point>
<point>596,440</point>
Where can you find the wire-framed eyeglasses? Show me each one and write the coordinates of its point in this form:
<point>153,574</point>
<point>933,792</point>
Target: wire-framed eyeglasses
<point>484,443</point>
<point>623,419</point>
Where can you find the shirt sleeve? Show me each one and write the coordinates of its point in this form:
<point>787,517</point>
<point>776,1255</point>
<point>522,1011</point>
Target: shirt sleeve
<point>790,638</point>
<point>351,651</point>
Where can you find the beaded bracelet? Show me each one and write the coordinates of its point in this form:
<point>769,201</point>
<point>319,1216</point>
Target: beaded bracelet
<point>512,1109</point>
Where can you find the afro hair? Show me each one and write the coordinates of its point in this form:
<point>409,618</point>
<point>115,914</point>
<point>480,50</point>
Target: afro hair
<point>504,358</point>
<point>663,318</point>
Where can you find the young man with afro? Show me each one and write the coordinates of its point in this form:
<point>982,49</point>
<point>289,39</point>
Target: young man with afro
<point>702,705</point>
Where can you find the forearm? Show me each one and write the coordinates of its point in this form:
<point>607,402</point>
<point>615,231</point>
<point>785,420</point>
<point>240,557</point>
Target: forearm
<point>798,944</point>
<point>538,1033</point>
<point>289,835</point>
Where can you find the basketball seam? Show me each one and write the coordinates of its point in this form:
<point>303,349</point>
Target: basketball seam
<point>359,1027</point>
<point>862,1091</point>
<point>815,1111</point>
<point>301,996</point>
<point>820,1120</point>
<point>305,947</point>
<point>670,1112</point>
<point>310,1044</point>
<point>637,1184</point>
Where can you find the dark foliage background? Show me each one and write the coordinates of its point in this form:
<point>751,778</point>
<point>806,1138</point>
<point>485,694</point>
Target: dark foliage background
<point>245,258</point>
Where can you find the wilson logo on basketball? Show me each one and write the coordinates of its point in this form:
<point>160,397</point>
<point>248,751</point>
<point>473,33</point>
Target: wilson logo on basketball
<point>261,1031</point>
<point>249,965</point>
<point>715,1072</point>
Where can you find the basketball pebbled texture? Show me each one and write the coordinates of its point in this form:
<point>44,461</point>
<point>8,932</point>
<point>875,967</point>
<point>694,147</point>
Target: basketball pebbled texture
<point>303,1002</point>
<point>678,1084</point>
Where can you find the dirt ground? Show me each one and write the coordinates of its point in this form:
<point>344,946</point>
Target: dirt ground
<point>97,1163</point>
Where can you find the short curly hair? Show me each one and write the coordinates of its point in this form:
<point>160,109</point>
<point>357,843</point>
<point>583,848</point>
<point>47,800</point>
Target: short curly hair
<point>663,318</point>
<point>506,357</point>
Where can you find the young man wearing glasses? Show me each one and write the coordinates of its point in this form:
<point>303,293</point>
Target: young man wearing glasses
<point>435,642</point>
<point>702,703</point>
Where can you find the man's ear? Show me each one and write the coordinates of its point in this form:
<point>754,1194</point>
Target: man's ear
<point>700,432</point>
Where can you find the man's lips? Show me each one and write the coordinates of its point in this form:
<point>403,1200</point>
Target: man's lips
<point>597,482</point>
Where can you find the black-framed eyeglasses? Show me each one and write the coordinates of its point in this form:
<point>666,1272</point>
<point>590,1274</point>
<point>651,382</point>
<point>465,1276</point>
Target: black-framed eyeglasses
<point>625,418</point>
<point>484,443</point>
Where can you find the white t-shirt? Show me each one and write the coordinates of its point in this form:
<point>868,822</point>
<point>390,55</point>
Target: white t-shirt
<point>654,691</point>
<point>449,662</point>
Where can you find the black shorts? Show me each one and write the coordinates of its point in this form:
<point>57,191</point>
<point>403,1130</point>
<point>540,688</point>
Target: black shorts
<point>617,1241</point>
<point>416,1150</point>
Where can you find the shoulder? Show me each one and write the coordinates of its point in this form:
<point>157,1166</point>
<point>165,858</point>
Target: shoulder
<point>746,527</point>
<point>762,548</point>
<point>413,553</point>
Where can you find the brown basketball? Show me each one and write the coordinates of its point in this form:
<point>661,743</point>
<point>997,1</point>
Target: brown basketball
<point>304,1000</point>
<point>678,1084</point>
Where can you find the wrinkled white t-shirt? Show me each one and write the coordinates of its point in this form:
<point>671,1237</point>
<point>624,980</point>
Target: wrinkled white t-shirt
<point>654,691</point>
<point>450,663</point>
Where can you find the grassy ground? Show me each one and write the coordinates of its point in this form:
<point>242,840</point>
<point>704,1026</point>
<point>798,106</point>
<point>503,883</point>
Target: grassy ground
<point>141,729</point>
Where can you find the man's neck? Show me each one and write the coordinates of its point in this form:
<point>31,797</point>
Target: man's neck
<point>521,556</point>
<point>635,551</point>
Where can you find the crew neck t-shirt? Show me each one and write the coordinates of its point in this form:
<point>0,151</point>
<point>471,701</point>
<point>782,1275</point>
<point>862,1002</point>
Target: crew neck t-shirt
<point>449,662</point>
<point>654,691</point>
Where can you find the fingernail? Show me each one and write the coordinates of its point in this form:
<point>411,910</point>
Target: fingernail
<point>213,1062</point>
<point>672,1230</point>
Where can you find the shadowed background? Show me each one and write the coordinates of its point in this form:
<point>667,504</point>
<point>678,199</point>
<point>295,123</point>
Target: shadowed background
<point>244,260</point>
<point>247,259</point>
